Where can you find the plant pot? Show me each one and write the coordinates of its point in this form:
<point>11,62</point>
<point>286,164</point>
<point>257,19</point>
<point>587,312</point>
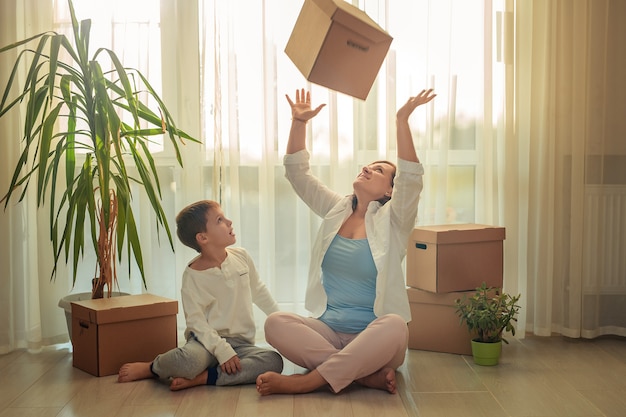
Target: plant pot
<point>486,354</point>
<point>66,304</point>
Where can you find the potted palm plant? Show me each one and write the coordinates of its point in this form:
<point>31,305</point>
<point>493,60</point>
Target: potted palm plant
<point>85,141</point>
<point>488,313</point>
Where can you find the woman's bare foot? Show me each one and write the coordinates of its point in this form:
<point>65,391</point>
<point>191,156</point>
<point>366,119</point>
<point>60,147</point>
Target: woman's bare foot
<point>181,383</point>
<point>385,380</point>
<point>274,383</point>
<point>134,371</point>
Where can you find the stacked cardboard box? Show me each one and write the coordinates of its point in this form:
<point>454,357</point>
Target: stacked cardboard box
<point>443,264</point>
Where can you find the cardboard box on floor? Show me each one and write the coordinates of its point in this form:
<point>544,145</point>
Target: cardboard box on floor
<point>455,257</point>
<point>108,332</point>
<point>338,46</point>
<point>435,325</point>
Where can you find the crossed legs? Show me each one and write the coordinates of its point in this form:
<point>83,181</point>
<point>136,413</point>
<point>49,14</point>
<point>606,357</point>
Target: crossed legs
<point>192,365</point>
<point>335,359</point>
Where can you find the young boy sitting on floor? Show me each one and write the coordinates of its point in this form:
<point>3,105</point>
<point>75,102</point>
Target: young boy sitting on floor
<point>218,289</point>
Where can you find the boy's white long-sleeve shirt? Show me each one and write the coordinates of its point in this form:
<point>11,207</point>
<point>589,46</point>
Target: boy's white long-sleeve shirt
<point>388,228</point>
<point>217,302</point>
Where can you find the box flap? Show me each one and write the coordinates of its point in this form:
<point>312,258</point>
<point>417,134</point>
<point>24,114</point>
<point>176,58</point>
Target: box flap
<point>308,35</point>
<point>353,18</point>
<point>457,233</point>
<point>123,308</point>
<point>426,297</point>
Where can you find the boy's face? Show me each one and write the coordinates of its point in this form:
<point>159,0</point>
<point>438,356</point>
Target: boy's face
<point>219,231</point>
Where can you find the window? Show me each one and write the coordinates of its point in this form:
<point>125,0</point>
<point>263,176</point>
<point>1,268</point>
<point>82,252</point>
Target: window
<point>131,29</point>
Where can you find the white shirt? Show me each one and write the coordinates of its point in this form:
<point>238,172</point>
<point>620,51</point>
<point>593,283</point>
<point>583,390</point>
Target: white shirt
<point>217,302</point>
<point>387,227</point>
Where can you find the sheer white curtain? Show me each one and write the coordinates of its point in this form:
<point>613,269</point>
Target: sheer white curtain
<point>164,50</point>
<point>244,121</point>
<point>526,132</point>
<point>567,144</point>
<point>449,45</point>
<point>23,256</point>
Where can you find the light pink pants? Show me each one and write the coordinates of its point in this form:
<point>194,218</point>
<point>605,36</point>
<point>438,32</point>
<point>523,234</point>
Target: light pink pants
<point>340,358</point>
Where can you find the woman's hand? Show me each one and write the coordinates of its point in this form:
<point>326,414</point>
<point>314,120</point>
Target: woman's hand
<point>301,109</point>
<point>422,98</point>
<point>406,148</point>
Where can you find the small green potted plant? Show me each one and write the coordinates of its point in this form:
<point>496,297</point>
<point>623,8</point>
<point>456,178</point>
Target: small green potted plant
<point>488,313</point>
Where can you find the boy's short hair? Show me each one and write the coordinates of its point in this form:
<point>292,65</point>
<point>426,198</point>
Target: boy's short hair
<point>192,220</point>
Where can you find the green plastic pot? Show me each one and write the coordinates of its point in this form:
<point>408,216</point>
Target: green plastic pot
<point>486,354</point>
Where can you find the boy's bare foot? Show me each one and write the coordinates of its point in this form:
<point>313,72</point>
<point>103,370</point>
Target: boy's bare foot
<point>274,383</point>
<point>385,380</point>
<point>134,371</point>
<point>182,383</point>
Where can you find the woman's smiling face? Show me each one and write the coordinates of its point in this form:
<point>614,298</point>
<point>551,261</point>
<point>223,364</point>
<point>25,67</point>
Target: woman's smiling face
<point>376,180</point>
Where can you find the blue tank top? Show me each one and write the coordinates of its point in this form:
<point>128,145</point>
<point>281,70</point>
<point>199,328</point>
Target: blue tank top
<point>349,279</point>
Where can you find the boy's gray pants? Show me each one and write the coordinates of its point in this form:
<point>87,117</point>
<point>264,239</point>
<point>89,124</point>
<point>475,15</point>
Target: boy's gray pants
<point>192,359</point>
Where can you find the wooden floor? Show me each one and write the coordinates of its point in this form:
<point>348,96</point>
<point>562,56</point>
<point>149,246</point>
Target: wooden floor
<point>536,377</point>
